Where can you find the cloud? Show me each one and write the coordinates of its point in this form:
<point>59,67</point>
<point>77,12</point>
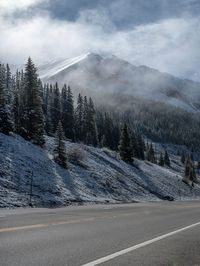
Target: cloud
<point>8,7</point>
<point>170,45</point>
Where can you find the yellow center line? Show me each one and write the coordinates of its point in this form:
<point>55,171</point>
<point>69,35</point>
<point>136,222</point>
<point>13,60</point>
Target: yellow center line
<point>33,226</point>
<point>11,229</point>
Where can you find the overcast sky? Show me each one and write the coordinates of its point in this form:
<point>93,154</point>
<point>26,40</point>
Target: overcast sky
<point>164,34</point>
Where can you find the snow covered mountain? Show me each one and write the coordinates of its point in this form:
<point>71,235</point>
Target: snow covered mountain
<point>100,75</point>
<point>100,176</point>
<point>53,68</point>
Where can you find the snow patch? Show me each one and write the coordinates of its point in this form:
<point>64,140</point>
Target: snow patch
<point>53,68</point>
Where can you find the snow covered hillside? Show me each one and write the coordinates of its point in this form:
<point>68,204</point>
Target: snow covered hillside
<point>99,176</point>
<point>97,75</point>
<point>51,69</point>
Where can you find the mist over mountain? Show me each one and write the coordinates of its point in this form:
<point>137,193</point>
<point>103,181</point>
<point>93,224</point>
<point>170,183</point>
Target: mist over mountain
<point>107,75</point>
<point>160,106</point>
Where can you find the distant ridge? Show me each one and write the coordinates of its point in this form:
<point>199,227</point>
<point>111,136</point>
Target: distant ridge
<point>110,74</point>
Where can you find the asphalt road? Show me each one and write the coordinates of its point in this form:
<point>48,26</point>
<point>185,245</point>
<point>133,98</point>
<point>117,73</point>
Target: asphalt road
<point>162,233</point>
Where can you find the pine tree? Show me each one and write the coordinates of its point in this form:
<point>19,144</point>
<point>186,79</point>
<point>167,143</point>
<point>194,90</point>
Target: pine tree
<point>70,109</point>
<point>45,90</point>
<point>60,156</point>
<point>134,142</point>
<point>64,115</point>
<point>79,119</point>
<point>17,102</point>
<point>34,118</point>
<point>140,144</point>
<point>190,173</point>
<point>166,159</point>
<point>183,158</point>
<point>144,146</point>
<point>125,148</point>
<point>103,141</point>
<point>147,149</point>
<point>151,154</point>
<point>161,160</point>
<point>155,155</point>
<point>6,119</point>
<point>187,168</point>
<point>9,86</point>
<point>48,110</point>
<point>111,132</point>
<point>22,103</point>
<point>56,106</point>
<point>85,119</point>
<point>68,112</point>
<point>91,137</point>
<point>115,136</point>
<point>107,131</point>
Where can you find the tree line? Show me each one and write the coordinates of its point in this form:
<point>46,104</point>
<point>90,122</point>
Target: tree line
<point>158,121</point>
<point>79,124</point>
<point>31,109</point>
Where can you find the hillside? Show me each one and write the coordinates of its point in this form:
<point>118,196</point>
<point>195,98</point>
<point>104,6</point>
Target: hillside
<point>160,106</point>
<point>98,75</point>
<point>100,177</point>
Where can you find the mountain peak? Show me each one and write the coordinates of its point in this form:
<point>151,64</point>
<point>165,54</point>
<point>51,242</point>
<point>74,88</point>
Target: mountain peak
<point>109,74</point>
<point>94,56</point>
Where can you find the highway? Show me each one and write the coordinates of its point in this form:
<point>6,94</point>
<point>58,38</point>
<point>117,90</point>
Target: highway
<point>155,233</point>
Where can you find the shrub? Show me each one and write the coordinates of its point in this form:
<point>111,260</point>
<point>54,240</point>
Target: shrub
<point>112,154</point>
<point>76,156</point>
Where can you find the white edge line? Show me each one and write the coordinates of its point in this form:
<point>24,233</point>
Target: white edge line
<point>127,250</point>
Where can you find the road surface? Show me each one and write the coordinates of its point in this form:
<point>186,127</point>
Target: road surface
<point>161,233</point>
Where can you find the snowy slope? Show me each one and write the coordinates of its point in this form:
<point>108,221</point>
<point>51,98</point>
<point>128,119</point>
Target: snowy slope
<point>51,69</point>
<point>96,74</point>
<point>101,177</point>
